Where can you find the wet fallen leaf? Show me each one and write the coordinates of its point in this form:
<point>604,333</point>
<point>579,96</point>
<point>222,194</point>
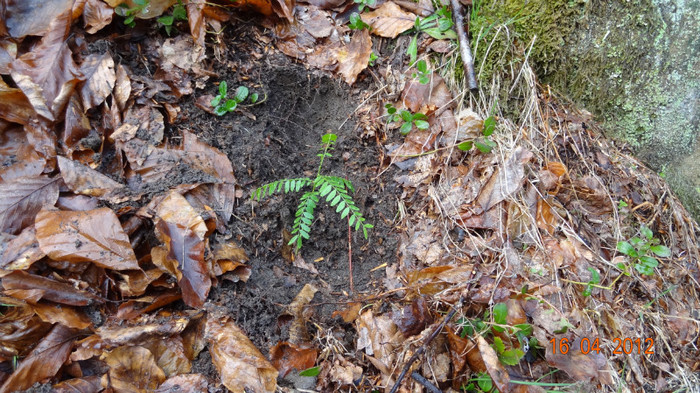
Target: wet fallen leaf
<point>350,313</point>
<point>143,330</point>
<point>413,318</point>
<point>96,15</point>
<point>61,314</point>
<point>194,383</point>
<point>297,309</point>
<point>239,363</point>
<point>196,20</point>
<point>131,369</point>
<point>89,384</point>
<point>355,57</point>
<point>86,236</point>
<point>377,336</point>
<point>20,328</point>
<point>287,357</point>
<point>14,106</point>
<point>169,354</point>
<point>44,361</point>
<point>82,179</point>
<point>100,78</point>
<point>389,20</point>
<point>47,75</point>
<point>32,17</point>
<point>48,289</point>
<point>22,251</point>
<point>22,198</point>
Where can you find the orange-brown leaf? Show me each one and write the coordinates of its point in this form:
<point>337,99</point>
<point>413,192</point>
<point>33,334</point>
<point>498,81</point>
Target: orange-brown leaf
<point>287,357</point>
<point>44,361</point>
<point>240,364</point>
<point>85,236</point>
<point>494,368</point>
<point>55,291</point>
<point>14,106</point>
<point>96,15</point>
<point>131,369</point>
<point>354,58</point>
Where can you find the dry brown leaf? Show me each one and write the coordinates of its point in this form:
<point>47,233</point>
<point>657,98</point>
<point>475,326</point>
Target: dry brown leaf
<point>589,367</point>
<point>297,309</point>
<point>117,335</point>
<point>82,179</point>
<point>506,180</point>
<point>17,156</point>
<point>135,282</point>
<point>378,336</point>
<point>96,15</point>
<point>429,97</point>
<point>47,75</point>
<point>22,198</point>
<point>194,383</point>
<point>55,291</point>
<point>196,20</point>
<point>389,20</point>
<point>86,236</point>
<point>76,127</point>
<point>44,361</point>
<point>350,313</point>
<point>122,87</point>
<point>354,58</point>
<point>32,17</point>
<point>316,22</point>
<point>494,368</point>
<point>239,363</point>
<point>100,78</point>
<point>287,357</point>
<point>131,370</point>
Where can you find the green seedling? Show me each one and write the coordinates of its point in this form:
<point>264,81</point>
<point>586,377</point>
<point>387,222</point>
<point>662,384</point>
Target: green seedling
<point>423,72</point>
<point>594,281</point>
<point>438,25</point>
<point>130,14</point>
<point>410,120</point>
<point>310,372</point>
<point>641,251</point>
<point>484,144</point>
<point>356,23</point>
<point>222,105</point>
<point>372,58</point>
<point>179,13</point>
<point>365,3</point>
<point>336,190</point>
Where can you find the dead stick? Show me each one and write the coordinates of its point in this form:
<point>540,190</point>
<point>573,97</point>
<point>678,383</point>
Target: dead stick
<point>352,286</point>
<point>464,48</point>
<point>424,381</point>
<point>436,330</point>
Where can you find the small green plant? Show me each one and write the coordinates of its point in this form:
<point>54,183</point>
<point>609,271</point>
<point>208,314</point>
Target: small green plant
<point>365,3</point>
<point>419,120</point>
<point>130,13</point>
<point>484,143</point>
<point>356,22</point>
<point>594,281</point>
<point>423,72</point>
<point>520,332</point>
<point>222,105</point>
<point>438,25</point>
<point>372,58</point>
<point>179,13</point>
<point>640,250</point>
<point>336,190</point>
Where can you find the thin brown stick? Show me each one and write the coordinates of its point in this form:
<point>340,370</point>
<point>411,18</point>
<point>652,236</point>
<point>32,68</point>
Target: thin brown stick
<point>352,285</point>
<point>436,330</point>
<point>464,48</point>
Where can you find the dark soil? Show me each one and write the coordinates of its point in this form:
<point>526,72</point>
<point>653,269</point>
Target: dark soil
<point>279,138</point>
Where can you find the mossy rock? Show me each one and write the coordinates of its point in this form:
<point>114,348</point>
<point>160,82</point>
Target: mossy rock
<point>635,64</point>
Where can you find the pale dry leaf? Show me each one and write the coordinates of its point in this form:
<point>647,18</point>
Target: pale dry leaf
<point>389,20</point>
<point>100,78</point>
<point>122,87</point>
<point>239,363</point>
<point>96,15</point>
<point>494,368</point>
<point>85,236</point>
<point>82,179</point>
<point>14,106</point>
<point>32,17</point>
<point>506,180</point>
<point>354,57</point>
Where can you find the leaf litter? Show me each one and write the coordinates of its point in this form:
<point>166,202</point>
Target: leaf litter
<point>109,219</point>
